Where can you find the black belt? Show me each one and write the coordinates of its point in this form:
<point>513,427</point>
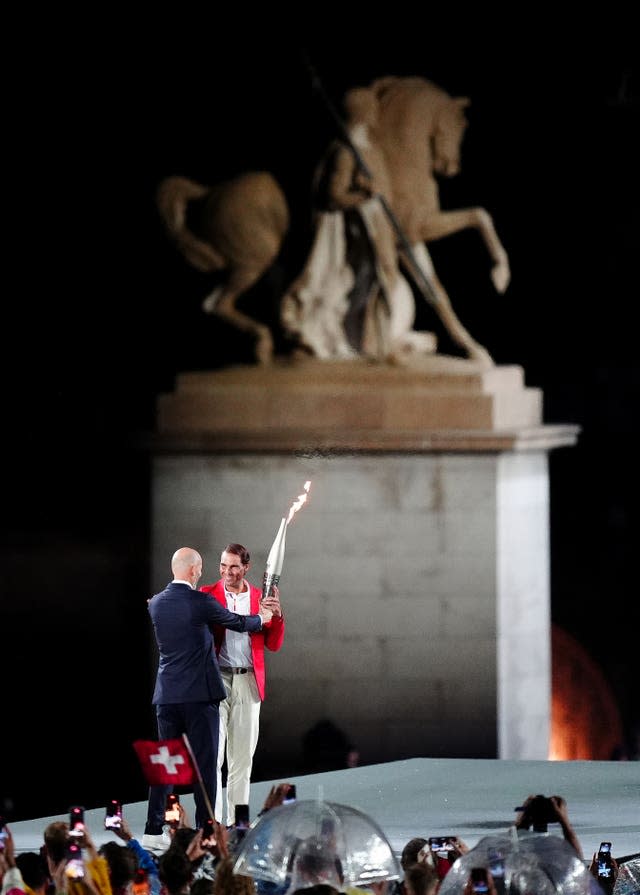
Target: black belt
<point>233,670</point>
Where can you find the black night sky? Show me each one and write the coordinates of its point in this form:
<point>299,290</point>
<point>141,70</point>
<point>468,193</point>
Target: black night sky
<point>100,313</point>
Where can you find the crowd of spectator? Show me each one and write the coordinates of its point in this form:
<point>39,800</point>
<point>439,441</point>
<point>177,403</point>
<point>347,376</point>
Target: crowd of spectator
<point>202,862</point>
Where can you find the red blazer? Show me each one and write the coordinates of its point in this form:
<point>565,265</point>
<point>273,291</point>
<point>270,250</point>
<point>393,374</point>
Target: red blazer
<point>271,636</point>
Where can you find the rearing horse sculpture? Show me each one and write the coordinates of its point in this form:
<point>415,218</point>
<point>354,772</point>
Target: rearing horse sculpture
<point>419,129</point>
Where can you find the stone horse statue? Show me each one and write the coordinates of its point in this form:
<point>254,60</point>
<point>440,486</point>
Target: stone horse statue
<point>239,228</point>
<point>410,131</point>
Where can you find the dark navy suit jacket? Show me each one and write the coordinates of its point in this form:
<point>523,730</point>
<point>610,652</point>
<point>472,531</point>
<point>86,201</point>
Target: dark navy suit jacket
<point>187,668</point>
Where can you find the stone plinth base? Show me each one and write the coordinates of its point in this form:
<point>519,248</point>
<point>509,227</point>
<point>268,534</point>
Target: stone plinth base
<point>416,578</point>
<point>301,400</point>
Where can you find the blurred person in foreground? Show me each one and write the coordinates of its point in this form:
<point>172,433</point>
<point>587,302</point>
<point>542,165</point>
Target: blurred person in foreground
<point>408,857</point>
<point>144,860</point>
<point>421,878</point>
<point>97,877</point>
<point>35,872</point>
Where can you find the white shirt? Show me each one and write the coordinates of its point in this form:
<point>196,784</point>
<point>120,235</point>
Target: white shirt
<point>236,647</point>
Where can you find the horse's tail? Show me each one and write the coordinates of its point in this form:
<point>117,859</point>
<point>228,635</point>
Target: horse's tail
<point>172,198</point>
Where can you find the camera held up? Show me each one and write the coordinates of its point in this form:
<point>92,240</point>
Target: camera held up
<point>538,813</point>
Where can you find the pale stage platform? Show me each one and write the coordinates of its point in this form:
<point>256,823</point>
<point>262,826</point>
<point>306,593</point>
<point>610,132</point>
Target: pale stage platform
<point>426,796</point>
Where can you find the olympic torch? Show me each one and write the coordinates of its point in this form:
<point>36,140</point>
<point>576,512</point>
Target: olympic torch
<point>275,558</point>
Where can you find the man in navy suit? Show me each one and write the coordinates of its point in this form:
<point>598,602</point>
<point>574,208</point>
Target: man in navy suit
<point>189,687</point>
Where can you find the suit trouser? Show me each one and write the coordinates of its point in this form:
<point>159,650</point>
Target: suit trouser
<point>239,728</point>
<point>199,720</point>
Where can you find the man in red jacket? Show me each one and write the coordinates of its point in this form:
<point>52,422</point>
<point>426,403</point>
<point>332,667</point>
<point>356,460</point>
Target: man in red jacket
<point>242,665</point>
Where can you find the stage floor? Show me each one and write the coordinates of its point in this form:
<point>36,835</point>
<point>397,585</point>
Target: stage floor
<point>429,797</point>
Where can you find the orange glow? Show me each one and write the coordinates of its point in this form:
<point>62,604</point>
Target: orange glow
<point>299,502</point>
<point>585,720</point>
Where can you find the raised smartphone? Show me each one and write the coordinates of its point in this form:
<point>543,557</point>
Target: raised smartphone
<point>113,815</point>
<point>242,821</point>
<point>74,868</point>
<point>208,839</point>
<point>443,852</point>
<point>172,809</point>
<point>442,843</point>
<point>479,881</point>
<point>496,863</point>
<point>496,866</point>
<point>242,816</point>
<point>605,867</point>
<point>76,821</point>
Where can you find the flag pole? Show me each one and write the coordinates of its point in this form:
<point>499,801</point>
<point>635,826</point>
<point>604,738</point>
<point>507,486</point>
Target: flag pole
<point>199,776</point>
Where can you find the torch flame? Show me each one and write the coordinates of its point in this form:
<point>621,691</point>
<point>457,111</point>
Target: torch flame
<point>276,555</point>
<point>299,502</point>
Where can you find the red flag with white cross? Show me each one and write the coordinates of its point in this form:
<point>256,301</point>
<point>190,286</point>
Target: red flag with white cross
<point>166,762</point>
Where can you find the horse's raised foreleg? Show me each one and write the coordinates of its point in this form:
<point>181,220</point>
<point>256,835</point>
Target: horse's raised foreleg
<point>439,300</point>
<point>445,223</point>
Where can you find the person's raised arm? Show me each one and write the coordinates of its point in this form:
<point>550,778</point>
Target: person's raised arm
<point>562,816</point>
<point>10,876</point>
<point>276,796</point>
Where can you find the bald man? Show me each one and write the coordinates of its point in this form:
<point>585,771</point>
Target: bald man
<point>189,687</point>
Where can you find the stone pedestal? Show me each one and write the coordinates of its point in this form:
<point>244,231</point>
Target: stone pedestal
<point>416,577</point>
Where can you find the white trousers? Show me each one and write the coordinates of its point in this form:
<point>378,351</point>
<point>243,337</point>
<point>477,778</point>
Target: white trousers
<point>238,738</point>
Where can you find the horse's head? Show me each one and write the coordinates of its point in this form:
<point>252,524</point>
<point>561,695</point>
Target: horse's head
<point>446,139</point>
<point>412,109</point>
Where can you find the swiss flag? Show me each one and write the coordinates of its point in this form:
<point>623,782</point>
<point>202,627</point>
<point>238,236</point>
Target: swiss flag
<point>165,762</point>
